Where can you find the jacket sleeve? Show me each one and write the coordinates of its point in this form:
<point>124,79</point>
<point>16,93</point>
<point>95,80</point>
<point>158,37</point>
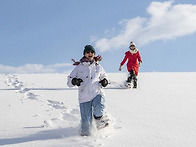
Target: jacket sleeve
<point>72,75</point>
<point>103,74</point>
<point>124,60</point>
<point>139,57</point>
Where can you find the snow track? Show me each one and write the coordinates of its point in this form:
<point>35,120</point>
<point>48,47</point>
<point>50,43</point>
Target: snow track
<point>55,117</point>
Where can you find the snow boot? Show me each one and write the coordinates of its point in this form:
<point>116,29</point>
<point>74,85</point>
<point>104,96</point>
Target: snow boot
<point>129,79</point>
<point>135,84</point>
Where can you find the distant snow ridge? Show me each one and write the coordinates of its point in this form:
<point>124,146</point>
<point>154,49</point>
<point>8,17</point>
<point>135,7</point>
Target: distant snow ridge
<point>12,81</point>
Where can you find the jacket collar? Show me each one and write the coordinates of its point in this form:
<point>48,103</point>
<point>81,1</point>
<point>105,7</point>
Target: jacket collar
<point>133,51</point>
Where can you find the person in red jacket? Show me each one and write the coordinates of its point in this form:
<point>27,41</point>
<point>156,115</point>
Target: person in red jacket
<point>133,64</point>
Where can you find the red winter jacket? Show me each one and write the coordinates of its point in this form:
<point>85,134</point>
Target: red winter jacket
<point>133,59</point>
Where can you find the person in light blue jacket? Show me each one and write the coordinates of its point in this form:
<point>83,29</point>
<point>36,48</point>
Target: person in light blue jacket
<point>90,78</point>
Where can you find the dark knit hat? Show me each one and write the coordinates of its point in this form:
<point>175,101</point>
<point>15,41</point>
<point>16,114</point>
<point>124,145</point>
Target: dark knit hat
<point>88,48</point>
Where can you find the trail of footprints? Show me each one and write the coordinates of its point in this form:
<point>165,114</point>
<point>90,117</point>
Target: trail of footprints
<point>13,82</point>
<point>67,116</point>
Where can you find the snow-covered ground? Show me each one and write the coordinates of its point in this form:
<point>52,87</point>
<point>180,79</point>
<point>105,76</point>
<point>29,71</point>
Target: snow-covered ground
<point>40,110</point>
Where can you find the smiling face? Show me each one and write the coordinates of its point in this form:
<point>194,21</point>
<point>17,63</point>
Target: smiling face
<point>90,55</point>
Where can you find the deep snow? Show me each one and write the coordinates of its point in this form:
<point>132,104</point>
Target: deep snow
<point>40,110</point>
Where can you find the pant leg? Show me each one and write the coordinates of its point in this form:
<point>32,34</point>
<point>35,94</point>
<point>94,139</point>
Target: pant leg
<point>134,78</point>
<point>133,75</point>
<point>129,78</point>
<point>98,106</point>
<point>86,117</point>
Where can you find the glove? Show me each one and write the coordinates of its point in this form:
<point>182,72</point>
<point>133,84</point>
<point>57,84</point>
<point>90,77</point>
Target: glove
<point>76,81</point>
<point>104,82</point>
<point>120,68</point>
<point>140,63</point>
<point>98,58</point>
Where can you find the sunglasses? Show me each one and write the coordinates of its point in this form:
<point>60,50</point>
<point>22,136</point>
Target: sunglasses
<point>88,52</point>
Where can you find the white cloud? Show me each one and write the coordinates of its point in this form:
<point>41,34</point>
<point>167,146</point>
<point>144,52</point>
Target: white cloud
<point>166,21</point>
<point>33,68</point>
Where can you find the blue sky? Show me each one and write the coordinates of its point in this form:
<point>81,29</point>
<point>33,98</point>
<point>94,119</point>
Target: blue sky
<point>41,36</point>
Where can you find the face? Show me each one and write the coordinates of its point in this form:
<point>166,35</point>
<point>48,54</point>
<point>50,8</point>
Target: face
<point>132,47</point>
<point>90,55</point>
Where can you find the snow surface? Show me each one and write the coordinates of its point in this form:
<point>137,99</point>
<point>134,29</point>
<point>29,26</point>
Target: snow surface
<point>40,110</point>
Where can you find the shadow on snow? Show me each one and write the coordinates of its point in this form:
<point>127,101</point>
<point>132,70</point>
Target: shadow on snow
<point>43,135</point>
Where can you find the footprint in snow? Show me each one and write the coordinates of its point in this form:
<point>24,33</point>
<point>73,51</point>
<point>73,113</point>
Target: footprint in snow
<point>31,96</point>
<point>56,104</point>
<point>13,81</point>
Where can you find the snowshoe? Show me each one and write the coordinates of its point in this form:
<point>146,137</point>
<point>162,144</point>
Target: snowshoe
<point>128,84</point>
<point>102,122</point>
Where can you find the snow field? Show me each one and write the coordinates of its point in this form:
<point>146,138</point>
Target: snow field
<point>40,110</point>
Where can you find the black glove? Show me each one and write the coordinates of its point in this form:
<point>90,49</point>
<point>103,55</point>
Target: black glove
<point>76,81</point>
<point>104,82</point>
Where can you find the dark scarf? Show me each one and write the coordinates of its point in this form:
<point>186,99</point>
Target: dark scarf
<point>84,59</point>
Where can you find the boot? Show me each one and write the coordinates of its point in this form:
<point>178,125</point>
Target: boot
<point>135,84</point>
<point>129,79</point>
